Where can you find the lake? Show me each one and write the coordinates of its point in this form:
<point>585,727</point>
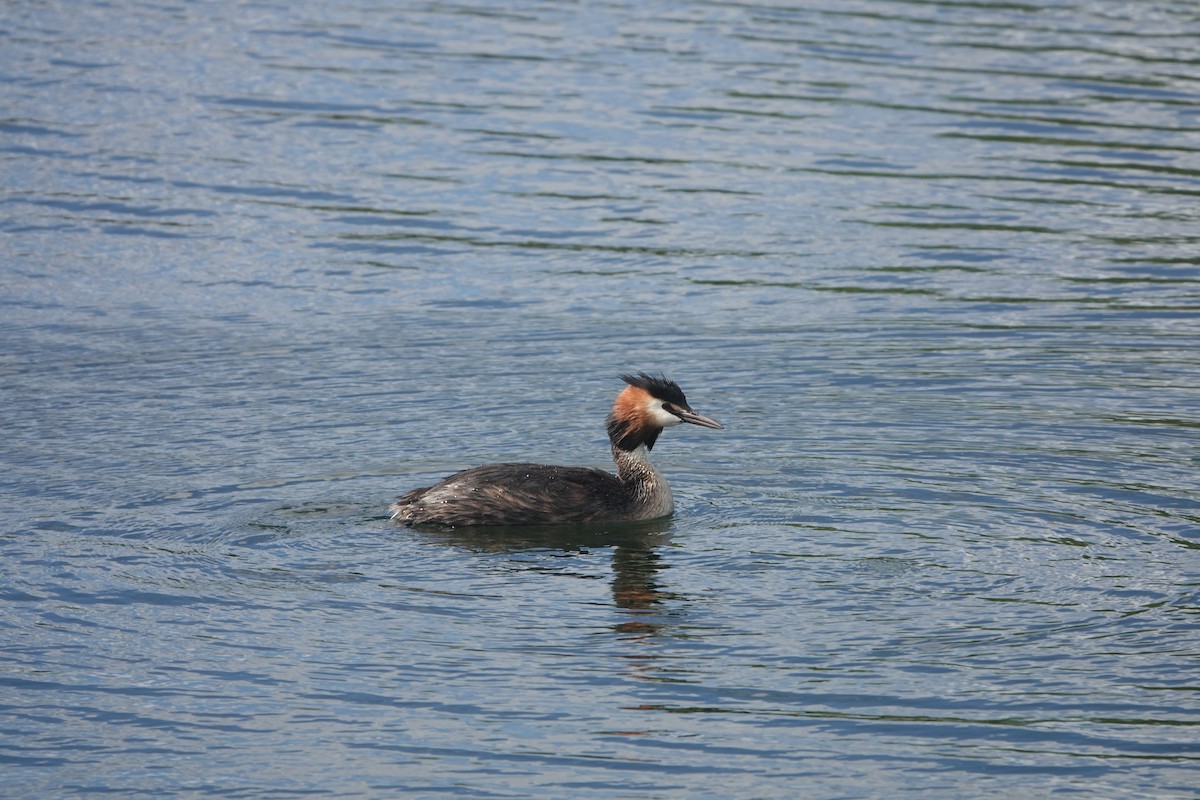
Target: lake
<point>935,266</point>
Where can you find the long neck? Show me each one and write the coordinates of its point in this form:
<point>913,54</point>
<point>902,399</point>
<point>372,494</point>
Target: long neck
<point>650,491</point>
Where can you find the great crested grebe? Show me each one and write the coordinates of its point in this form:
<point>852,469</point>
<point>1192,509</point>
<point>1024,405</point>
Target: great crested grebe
<point>541,494</point>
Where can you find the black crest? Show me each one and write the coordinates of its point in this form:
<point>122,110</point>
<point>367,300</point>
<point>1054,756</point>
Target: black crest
<point>660,387</point>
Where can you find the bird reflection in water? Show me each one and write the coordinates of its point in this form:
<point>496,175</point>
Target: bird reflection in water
<point>635,586</point>
<point>636,559</point>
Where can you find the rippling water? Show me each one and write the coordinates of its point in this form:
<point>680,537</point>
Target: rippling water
<point>933,264</point>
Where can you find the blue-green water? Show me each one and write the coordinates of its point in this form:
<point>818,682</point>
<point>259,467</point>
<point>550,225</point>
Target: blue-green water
<point>934,265</point>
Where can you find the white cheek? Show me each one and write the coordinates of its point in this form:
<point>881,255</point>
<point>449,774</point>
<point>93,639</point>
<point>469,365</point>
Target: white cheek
<point>660,416</point>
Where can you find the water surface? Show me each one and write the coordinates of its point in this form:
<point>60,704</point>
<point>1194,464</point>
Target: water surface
<point>933,265</point>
